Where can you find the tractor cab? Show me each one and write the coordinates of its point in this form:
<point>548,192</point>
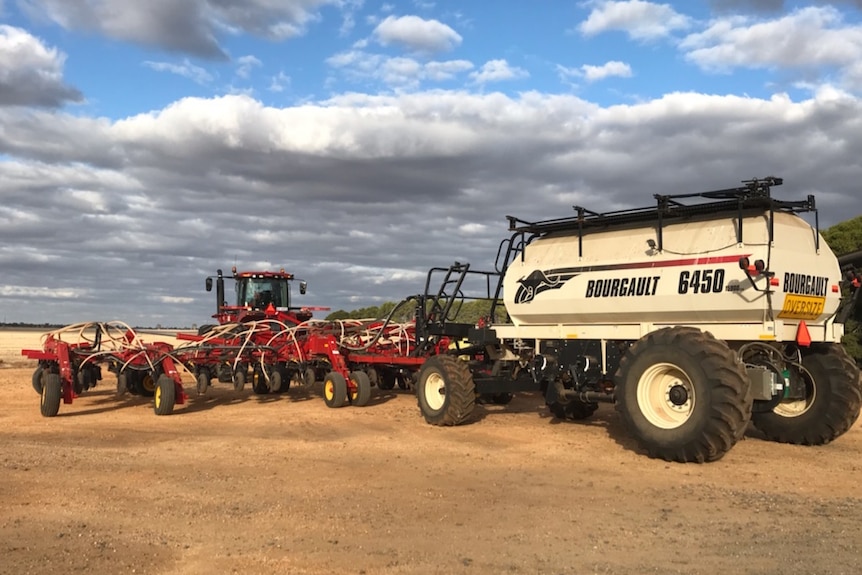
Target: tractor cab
<point>261,292</point>
<point>258,295</point>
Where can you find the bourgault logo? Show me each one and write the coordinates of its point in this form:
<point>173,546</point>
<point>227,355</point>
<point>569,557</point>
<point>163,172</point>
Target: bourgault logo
<point>539,281</point>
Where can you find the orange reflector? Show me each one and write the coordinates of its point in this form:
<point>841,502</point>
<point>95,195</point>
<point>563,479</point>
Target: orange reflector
<point>834,289</point>
<point>270,309</point>
<point>773,281</point>
<point>803,338</point>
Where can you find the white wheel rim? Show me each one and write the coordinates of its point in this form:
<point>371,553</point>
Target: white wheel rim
<point>435,391</point>
<point>665,396</point>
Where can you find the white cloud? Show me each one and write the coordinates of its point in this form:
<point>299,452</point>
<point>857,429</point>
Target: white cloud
<point>442,71</point>
<point>245,64</point>
<point>279,82</point>
<point>606,70</point>
<point>472,228</point>
<point>40,292</point>
<point>808,37</point>
<point>497,71</point>
<point>417,34</point>
<point>31,74</point>
<point>186,70</point>
<point>175,299</point>
<point>337,191</point>
<point>397,72</point>
<point>639,19</point>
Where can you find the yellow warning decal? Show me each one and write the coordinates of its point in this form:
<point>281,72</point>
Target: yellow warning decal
<point>802,307</point>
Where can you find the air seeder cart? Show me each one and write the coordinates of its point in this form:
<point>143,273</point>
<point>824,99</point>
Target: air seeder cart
<point>693,317</point>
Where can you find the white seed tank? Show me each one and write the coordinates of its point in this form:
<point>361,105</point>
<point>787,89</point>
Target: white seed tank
<point>683,272</point>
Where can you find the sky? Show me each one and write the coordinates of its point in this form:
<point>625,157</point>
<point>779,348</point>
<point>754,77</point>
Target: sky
<point>144,145</point>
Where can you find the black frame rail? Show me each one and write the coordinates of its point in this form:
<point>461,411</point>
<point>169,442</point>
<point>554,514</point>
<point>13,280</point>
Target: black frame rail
<point>754,194</point>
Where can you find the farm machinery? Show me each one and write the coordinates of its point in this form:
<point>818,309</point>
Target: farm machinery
<point>71,361</point>
<point>260,338</point>
<point>694,317</point>
<point>263,334</point>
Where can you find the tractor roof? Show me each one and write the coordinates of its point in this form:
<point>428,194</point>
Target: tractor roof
<point>270,275</point>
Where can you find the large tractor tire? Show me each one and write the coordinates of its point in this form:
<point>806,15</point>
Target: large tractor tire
<point>445,390</point>
<point>334,390</point>
<point>165,395</point>
<point>52,393</point>
<point>360,395</point>
<point>683,395</point>
<point>831,405</point>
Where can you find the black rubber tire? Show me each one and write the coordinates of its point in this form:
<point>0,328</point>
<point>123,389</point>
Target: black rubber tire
<point>373,376</point>
<point>334,390</point>
<point>361,395</point>
<point>310,377</point>
<point>259,384</point>
<point>576,410</point>
<point>699,369</point>
<point>834,409</point>
<point>276,380</point>
<point>557,409</point>
<point>579,410</point>
<point>404,381</point>
<point>203,381</point>
<point>132,377</point>
<point>87,377</point>
<point>387,379</point>
<point>78,381</point>
<point>445,390</point>
<point>224,372</point>
<point>239,378</point>
<point>122,383</point>
<point>502,398</point>
<point>289,376</point>
<point>52,393</point>
<point>165,395</point>
<point>38,379</point>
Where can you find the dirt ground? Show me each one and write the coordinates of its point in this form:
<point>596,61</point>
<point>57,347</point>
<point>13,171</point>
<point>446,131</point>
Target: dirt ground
<point>238,483</point>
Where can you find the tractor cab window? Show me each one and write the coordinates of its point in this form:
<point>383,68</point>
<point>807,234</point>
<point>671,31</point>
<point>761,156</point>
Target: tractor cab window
<point>259,293</point>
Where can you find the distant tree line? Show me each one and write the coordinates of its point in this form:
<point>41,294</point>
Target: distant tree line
<point>462,311</point>
<point>846,238</point>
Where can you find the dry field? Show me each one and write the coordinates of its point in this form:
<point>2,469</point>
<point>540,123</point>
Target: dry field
<point>238,483</point>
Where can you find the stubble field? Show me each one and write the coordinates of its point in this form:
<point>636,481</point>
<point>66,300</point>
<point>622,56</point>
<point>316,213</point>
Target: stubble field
<point>238,483</point>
